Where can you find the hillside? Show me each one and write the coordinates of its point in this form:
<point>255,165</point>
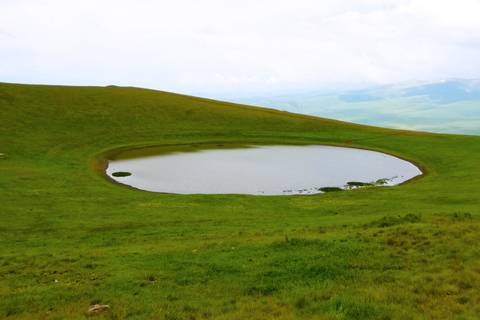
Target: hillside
<point>71,239</point>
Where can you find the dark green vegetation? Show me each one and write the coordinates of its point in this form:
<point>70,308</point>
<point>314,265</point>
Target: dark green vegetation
<point>330,189</point>
<point>121,174</point>
<point>70,238</point>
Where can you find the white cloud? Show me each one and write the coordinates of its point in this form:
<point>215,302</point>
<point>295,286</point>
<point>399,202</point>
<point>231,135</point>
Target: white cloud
<point>459,13</point>
<point>188,46</point>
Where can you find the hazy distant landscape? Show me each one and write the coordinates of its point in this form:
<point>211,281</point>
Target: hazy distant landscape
<point>446,106</point>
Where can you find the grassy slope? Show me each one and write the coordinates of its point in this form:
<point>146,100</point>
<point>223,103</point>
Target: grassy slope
<point>406,252</point>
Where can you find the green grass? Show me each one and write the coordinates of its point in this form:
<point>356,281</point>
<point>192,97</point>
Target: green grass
<point>70,238</point>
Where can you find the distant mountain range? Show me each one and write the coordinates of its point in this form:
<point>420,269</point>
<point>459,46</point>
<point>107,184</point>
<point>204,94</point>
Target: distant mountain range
<point>442,92</point>
<point>446,106</point>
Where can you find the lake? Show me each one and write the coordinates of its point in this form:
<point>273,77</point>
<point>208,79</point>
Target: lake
<point>262,170</point>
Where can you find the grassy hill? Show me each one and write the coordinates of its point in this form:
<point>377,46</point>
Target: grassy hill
<point>70,239</point>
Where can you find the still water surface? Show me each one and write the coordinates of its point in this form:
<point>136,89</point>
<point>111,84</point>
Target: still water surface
<point>261,170</point>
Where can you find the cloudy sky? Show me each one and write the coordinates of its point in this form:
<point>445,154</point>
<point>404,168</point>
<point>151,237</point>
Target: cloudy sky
<point>190,46</point>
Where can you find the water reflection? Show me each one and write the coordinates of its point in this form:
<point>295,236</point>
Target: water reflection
<point>262,170</point>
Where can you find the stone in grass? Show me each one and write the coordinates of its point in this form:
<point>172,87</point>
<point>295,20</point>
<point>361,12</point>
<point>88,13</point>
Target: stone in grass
<point>97,309</point>
<point>2,156</point>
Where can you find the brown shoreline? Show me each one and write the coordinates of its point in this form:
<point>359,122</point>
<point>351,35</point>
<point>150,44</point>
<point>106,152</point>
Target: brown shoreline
<point>100,164</point>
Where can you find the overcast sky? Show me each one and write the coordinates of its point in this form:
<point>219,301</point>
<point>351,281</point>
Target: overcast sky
<point>190,46</point>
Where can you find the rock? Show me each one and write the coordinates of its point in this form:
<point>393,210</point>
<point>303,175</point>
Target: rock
<point>2,156</point>
<point>97,309</point>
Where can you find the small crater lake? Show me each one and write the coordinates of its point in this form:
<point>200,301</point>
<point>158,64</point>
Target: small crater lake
<point>261,170</point>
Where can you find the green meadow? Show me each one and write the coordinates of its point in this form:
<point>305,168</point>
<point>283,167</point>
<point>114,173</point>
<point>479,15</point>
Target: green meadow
<point>71,239</point>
